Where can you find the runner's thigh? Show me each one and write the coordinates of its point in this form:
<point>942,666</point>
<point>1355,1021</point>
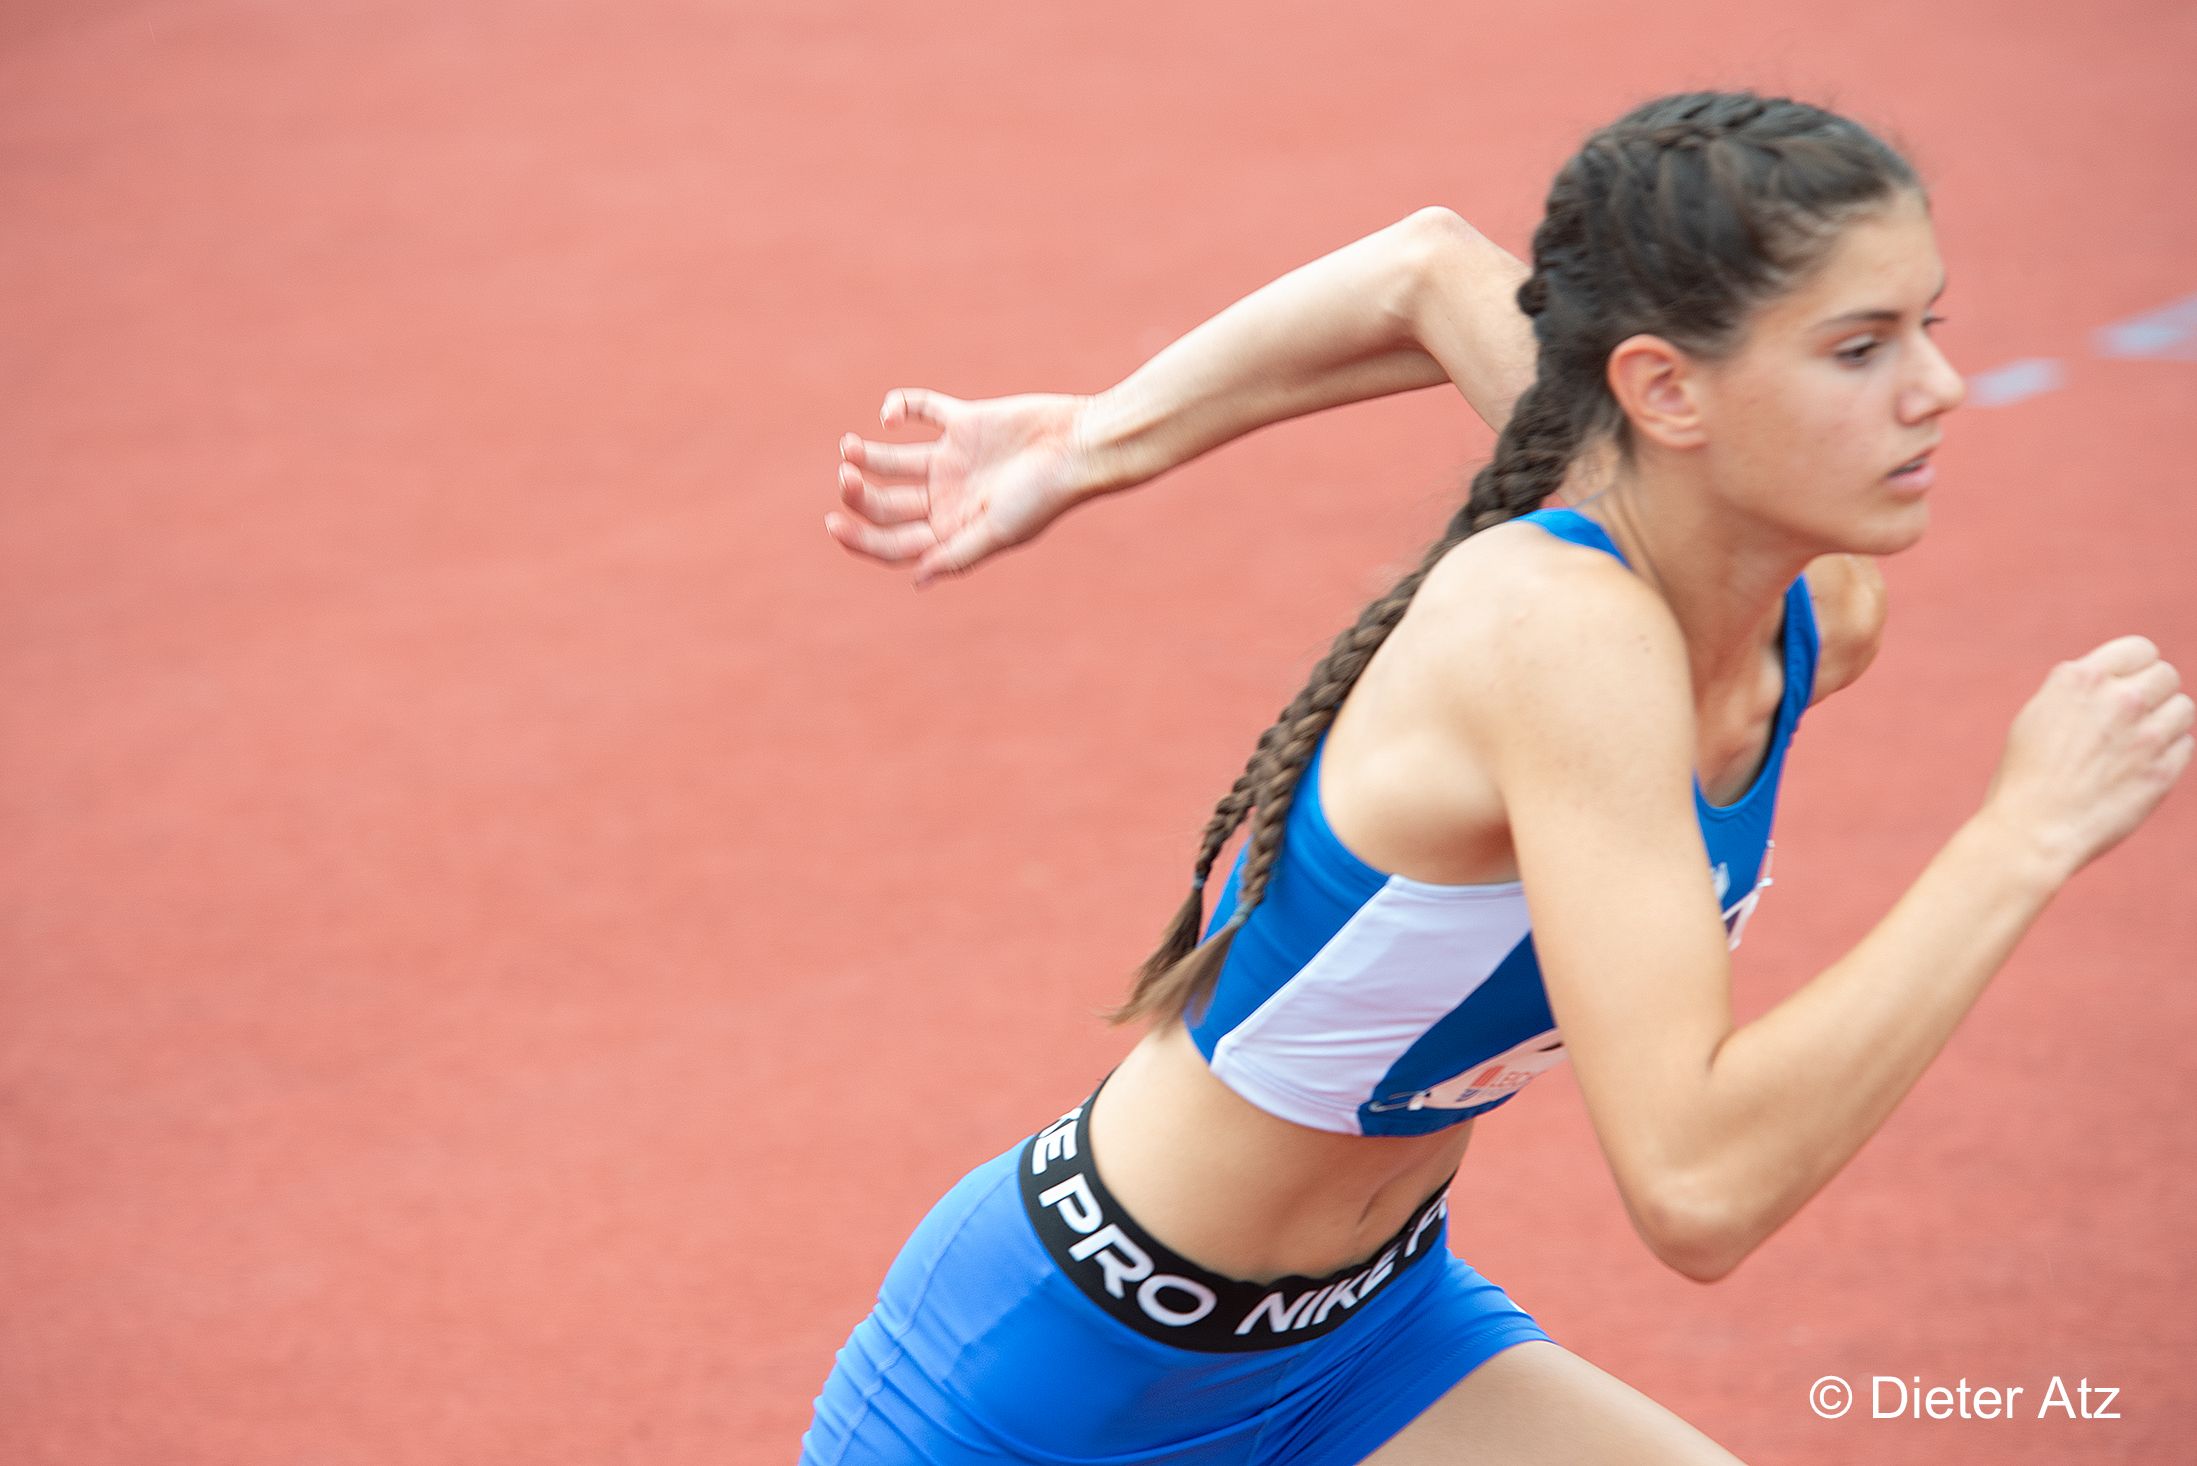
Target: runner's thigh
<point>1538,1402</point>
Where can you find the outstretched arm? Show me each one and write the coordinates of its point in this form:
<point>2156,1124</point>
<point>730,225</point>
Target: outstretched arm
<point>1425,300</point>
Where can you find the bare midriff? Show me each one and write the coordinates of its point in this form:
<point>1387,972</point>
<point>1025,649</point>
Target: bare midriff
<point>1240,1191</point>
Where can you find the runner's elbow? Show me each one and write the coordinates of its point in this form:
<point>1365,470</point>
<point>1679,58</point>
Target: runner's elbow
<point>1433,241</point>
<point>1693,1230</point>
<point>1438,224</point>
<point>1441,239</point>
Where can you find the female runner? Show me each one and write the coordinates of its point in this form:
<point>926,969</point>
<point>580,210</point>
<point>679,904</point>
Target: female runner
<point>1519,814</point>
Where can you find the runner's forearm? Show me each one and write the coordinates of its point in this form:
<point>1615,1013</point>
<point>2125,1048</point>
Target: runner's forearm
<point>1795,1094</point>
<point>1351,325</point>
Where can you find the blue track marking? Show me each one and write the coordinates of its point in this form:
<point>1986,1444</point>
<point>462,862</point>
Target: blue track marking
<point>2017,381</point>
<point>2170,332</point>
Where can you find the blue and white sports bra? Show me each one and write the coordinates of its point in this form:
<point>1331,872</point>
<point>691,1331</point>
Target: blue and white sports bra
<point>1373,1004</point>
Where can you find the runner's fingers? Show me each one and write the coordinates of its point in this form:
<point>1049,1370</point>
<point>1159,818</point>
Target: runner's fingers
<point>904,405</point>
<point>888,460</point>
<point>2122,655</point>
<point>2156,683</point>
<point>2177,756</point>
<point>2170,720</point>
<point>878,503</point>
<point>891,544</point>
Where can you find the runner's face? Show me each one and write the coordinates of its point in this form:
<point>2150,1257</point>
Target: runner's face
<point>1838,384</point>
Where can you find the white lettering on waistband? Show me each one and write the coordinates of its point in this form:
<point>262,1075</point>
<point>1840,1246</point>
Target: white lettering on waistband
<point>1074,1189</point>
<point>1310,1309</point>
<point>1056,1142</point>
<point>1120,1260</point>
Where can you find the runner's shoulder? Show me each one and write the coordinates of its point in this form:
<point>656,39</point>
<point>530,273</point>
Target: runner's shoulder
<point>1516,621</point>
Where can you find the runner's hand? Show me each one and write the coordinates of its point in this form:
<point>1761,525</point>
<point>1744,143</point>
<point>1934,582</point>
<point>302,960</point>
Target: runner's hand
<point>998,472</point>
<point>2093,753</point>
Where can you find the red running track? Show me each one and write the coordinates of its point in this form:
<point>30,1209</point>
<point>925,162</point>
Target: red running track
<point>503,928</point>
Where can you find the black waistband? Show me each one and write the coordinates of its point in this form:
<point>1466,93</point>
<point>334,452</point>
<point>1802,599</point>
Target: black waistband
<point>1163,1296</point>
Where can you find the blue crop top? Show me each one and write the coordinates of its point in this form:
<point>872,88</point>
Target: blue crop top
<point>1368,1003</point>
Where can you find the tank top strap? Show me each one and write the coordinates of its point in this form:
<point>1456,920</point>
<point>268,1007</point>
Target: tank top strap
<point>1570,524</point>
<point>1803,645</point>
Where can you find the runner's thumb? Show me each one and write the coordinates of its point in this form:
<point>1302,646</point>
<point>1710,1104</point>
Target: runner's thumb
<point>956,556</point>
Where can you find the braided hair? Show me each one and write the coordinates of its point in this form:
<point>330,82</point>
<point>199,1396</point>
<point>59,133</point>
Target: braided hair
<point>1679,220</point>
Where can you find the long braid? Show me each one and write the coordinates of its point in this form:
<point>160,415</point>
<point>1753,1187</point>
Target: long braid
<point>1529,462</point>
<point>1678,219</point>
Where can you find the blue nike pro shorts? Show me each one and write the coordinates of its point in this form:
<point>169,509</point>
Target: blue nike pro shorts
<point>1029,1318</point>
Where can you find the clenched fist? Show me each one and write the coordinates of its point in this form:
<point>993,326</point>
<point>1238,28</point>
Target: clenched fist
<point>2095,751</point>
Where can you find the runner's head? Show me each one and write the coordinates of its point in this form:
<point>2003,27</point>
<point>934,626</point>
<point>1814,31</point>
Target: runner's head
<point>1739,288</point>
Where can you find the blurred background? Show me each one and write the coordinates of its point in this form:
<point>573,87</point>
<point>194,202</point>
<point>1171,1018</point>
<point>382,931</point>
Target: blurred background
<point>504,927</point>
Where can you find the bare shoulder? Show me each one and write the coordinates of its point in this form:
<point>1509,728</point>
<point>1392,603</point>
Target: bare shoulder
<point>1516,601</point>
<point>1848,595</point>
<point>1428,746</point>
<point>1535,642</point>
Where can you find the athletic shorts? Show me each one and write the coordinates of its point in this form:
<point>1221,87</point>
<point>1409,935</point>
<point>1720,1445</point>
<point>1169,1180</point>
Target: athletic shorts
<point>1030,1319</point>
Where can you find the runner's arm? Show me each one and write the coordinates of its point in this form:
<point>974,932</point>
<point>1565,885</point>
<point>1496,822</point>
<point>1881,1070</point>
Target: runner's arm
<point>1428,299</point>
<point>1717,1133</point>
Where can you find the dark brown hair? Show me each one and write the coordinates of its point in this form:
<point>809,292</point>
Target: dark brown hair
<point>1679,220</point>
